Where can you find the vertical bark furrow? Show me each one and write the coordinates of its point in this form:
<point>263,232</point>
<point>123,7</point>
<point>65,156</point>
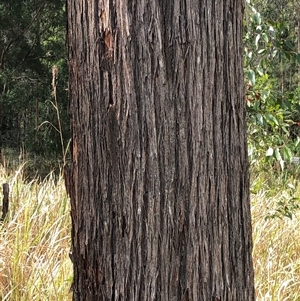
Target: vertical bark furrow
<point>159,194</point>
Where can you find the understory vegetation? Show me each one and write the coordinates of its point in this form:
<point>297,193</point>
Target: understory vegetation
<point>35,238</point>
<point>34,128</point>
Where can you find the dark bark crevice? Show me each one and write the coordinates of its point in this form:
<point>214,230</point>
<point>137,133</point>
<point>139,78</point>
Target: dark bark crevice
<point>159,183</point>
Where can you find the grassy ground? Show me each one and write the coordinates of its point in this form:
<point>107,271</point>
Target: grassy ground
<point>35,239</point>
<point>276,239</point>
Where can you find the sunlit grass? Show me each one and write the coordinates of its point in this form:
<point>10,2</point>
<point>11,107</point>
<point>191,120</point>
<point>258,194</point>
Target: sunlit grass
<point>276,239</point>
<point>35,241</point>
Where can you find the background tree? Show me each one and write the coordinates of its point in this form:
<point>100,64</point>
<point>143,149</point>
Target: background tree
<point>32,40</point>
<point>159,181</point>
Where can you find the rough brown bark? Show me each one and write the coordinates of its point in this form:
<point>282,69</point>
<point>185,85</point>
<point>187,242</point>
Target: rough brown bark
<point>5,202</point>
<point>159,181</point>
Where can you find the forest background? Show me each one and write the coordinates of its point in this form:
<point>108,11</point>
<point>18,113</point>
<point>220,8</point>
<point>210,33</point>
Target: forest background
<point>35,123</point>
<point>34,139</point>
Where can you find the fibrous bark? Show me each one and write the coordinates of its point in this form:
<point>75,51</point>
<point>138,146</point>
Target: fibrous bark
<point>159,180</point>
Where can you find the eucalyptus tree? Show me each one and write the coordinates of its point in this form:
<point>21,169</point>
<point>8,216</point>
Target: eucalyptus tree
<point>159,180</point>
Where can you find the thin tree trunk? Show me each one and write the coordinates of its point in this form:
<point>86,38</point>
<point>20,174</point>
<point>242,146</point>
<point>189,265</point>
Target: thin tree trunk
<point>299,43</point>
<point>159,182</point>
<point>36,119</point>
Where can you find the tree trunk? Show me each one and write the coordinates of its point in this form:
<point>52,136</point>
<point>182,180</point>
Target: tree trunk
<point>159,181</point>
<point>298,43</point>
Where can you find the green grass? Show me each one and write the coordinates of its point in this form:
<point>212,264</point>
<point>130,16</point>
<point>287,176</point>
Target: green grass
<point>35,239</point>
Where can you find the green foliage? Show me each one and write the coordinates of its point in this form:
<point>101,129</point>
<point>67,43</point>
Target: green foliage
<point>272,92</point>
<point>32,40</point>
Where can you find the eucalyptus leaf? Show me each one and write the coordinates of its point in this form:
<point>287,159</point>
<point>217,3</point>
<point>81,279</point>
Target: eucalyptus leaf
<point>265,37</point>
<point>278,155</point>
<point>251,76</point>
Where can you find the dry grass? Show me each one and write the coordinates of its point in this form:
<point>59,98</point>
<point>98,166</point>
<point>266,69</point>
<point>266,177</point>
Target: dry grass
<point>276,241</point>
<point>35,240</point>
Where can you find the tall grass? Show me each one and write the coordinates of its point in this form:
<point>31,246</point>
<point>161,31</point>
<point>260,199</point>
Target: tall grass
<point>35,241</point>
<point>276,239</point>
